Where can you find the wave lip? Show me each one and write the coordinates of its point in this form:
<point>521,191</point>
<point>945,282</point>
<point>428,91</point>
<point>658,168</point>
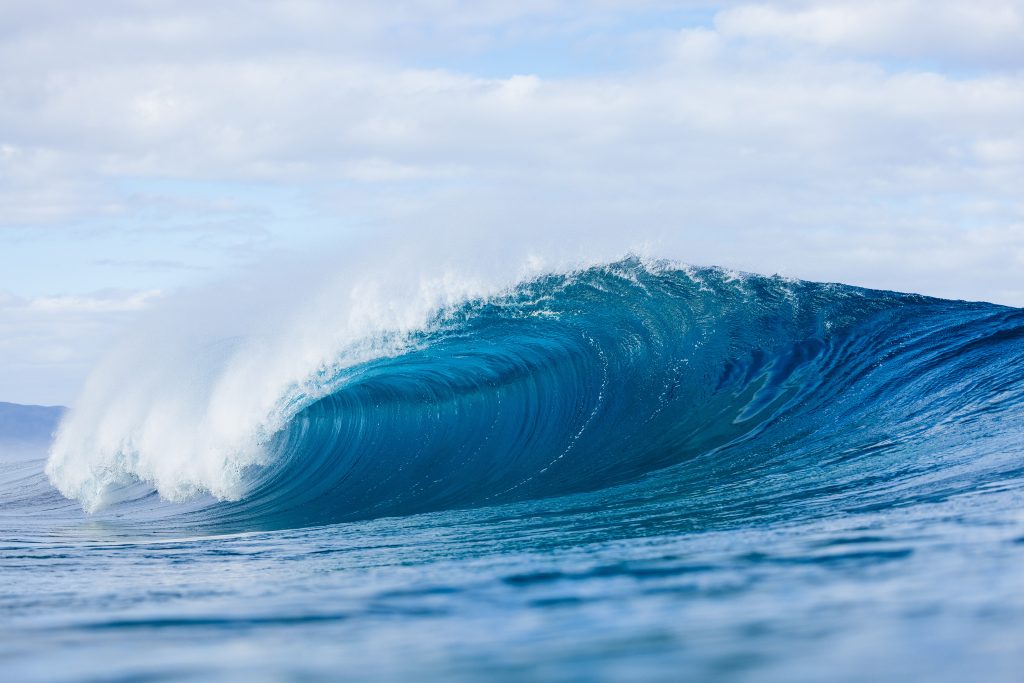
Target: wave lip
<point>582,381</point>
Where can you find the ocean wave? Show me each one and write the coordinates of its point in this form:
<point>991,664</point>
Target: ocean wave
<point>634,371</point>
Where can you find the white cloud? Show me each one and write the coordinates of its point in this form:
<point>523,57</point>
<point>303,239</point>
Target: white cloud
<point>49,343</point>
<point>878,143</point>
<point>134,301</point>
<point>951,31</point>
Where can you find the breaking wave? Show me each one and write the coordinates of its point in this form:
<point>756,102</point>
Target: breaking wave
<point>673,379</point>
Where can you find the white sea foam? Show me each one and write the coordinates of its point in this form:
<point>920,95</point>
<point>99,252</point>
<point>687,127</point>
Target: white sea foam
<point>186,402</point>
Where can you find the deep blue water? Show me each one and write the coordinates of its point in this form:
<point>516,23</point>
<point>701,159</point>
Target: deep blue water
<point>633,472</point>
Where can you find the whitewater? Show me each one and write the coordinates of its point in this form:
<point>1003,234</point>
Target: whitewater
<point>632,469</point>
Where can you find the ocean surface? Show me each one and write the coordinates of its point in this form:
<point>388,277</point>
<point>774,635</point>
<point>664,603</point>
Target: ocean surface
<point>634,471</point>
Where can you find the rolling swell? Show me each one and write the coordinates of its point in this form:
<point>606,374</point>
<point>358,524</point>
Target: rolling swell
<point>763,391</point>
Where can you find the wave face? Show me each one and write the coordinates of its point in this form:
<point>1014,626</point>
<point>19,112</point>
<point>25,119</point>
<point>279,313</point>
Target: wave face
<point>674,379</point>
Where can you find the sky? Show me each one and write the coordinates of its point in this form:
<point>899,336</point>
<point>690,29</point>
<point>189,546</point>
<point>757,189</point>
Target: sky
<point>153,146</point>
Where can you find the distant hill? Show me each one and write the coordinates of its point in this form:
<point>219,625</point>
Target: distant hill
<point>28,423</point>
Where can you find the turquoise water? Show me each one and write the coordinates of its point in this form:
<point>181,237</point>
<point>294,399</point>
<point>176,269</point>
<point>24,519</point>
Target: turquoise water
<point>633,472</point>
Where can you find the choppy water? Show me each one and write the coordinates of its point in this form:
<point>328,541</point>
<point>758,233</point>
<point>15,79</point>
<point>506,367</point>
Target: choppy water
<point>636,471</point>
